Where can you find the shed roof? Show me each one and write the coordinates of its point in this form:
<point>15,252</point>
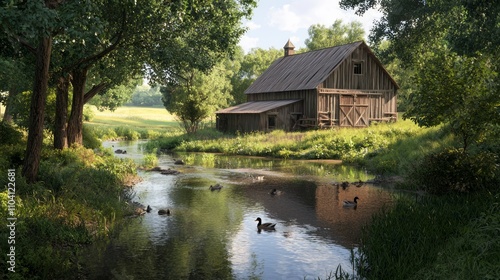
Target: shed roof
<point>256,107</point>
<point>305,70</point>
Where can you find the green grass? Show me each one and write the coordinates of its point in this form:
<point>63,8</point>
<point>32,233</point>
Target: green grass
<point>383,148</point>
<point>137,117</point>
<point>446,237</point>
<point>130,123</point>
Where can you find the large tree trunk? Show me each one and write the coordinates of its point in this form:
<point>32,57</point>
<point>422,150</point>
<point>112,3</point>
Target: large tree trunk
<point>37,110</point>
<point>60,134</point>
<point>75,122</point>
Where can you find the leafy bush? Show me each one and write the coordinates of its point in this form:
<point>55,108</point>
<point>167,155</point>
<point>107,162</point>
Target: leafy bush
<point>9,134</point>
<point>90,139</point>
<point>456,171</point>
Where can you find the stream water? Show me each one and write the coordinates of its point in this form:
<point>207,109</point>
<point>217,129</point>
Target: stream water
<point>214,235</point>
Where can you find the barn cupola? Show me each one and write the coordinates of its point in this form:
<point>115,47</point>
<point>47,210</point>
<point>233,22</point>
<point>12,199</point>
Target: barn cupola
<point>289,48</point>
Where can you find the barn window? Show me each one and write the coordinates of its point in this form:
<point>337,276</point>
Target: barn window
<point>271,122</point>
<point>357,68</point>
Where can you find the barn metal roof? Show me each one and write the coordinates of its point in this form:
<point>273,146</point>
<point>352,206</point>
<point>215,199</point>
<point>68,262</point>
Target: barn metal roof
<point>302,71</point>
<point>256,107</point>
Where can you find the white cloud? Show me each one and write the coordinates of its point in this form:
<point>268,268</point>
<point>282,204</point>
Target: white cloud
<point>252,25</point>
<point>247,43</point>
<point>297,15</point>
<point>285,19</point>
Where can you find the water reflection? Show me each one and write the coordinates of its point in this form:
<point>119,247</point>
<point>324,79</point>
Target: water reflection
<point>213,235</point>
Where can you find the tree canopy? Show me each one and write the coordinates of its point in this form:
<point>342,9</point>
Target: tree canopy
<point>450,48</point>
<point>111,42</point>
<point>321,36</point>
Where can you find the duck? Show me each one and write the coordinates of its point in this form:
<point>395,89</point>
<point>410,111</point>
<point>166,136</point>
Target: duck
<point>148,209</point>
<point>164,212</point>
<point>348,203</point>
<point>265,226</point>
<point>216,187</point>
<point>275,192</point>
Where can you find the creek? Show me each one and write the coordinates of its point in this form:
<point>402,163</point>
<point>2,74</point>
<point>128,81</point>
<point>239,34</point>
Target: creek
<point>214,235</point>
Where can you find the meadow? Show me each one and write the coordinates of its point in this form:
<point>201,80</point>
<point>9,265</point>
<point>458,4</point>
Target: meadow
<point>127,123</point>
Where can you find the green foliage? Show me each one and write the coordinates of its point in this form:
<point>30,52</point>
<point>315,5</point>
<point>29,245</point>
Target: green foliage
<point>150,160</point>
<point>253,64</point>
<point>456,171</point>
<point>384,148</point>
<point>146,96</point>
<point>90,139</point>
<point>473,105</point>
<point>79,197</point>
<point>472,253</point>
<point>199,96</point>
<point>338,34</point>
<point>127,133</point>
<point>9,134</point>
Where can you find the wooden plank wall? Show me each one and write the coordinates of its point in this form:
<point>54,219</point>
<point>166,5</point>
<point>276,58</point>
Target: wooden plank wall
<point>258,122</point>
<point>373,77</point>
<point>309,97</point>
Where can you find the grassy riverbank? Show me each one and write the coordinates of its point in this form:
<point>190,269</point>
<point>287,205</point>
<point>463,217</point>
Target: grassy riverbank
<point>80,197</point>
<point>386,149</point>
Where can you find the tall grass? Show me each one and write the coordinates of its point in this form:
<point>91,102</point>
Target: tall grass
<point>382,148</point>
<point>414,236</point>
<point>79,198</point>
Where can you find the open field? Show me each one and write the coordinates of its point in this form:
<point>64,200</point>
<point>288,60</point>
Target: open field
<point>138,117</point>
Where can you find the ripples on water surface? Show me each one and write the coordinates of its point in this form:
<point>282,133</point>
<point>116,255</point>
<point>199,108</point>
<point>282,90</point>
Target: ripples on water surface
<point>213,235</point>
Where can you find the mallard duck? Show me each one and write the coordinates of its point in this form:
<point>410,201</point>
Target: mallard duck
<point>275,192</point>
<point>164,212</point>
<point>348,203</point>
<point>265,226</point>
<point>148,209</point>
<point>216,187</point>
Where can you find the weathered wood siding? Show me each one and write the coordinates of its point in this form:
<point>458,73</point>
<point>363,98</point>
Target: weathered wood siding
<point>309,97</point>
<point>284,118</point>
<point>351,99</point>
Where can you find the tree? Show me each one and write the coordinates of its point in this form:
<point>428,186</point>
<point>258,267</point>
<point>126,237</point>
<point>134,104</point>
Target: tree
<point>199,95</point>
<point>252,65</point>
<point>113,39</point>
<point>451,47</point>
<point>456,90</point>
<point>321,36</point>
<point>33,24</point>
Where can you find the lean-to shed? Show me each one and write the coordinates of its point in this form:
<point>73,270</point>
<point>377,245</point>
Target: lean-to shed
<point>344,86</point>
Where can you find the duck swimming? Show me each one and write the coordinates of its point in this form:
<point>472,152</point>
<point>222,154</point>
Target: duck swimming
<point>217,187</point>
<point>164,212</point>
<point>276,192</point>
<point>348,203</point>
<point>265,226</point>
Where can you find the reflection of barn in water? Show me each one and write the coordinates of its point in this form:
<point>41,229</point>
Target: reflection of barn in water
<point>320,206</point>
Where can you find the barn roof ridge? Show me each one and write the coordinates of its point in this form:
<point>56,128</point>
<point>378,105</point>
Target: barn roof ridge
<point>304,71</point>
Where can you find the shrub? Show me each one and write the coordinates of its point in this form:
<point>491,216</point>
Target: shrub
<point>456,171</point>
<point>8,134</point>
<point>90,139</point>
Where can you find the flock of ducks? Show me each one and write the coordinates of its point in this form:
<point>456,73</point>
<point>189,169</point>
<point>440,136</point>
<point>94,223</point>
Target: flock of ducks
<point>260,224</point>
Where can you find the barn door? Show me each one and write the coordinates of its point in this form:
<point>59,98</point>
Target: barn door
<point>353,110</point>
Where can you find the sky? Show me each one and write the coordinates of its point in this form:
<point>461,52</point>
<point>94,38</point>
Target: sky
<point>275,21</point>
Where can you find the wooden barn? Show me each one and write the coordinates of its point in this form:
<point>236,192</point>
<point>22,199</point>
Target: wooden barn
<point>342,86</point>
